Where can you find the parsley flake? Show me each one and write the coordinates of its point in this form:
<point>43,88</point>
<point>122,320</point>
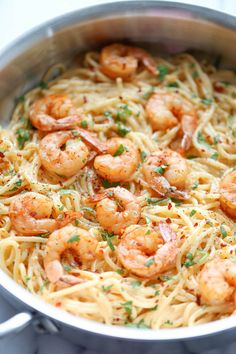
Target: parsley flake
<point>74,238</point>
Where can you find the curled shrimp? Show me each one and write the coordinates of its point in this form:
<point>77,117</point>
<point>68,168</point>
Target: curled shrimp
<point>73,241</point>
<point>166,171</point>
<point>165,110</point>
<point>146,252</point>
<point>118,60</point>
<point>119,162</point>
<point>228,194</point>
<point>217,282</point>
<point>30,214</point>
<point>63,153</point>
<point>54,112</point>
<point>116,209</point>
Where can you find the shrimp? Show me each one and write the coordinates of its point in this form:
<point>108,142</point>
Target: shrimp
<point>118,60</point>
<point>69,240</point>
<point>166,171</point>
<point>217,282</point>
<point>120,161</point>
<point>54,112</point>
<point>63,153</point>
<point>165,110</point>
<point>116,209</point>
<point>228,194</point>
<point>30,215</point>
<point>142,252</point>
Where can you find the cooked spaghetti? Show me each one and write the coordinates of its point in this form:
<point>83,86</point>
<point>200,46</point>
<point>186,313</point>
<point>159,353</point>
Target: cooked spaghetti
<point>104,278</point>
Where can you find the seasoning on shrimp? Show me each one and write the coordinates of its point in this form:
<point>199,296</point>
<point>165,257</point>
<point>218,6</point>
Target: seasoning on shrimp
<point>228,194</point>
<point>119,162</point>
<point>118,60</point>
<point>166,110</point>
<point>30,214</point>
<point>166,171</point>
<point>55,112</point>
<point>146,252</point>
<point>71,239</point>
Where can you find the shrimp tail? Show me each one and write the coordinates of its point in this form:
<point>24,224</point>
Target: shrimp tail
<point>164,189</point>
<point>92,141</point>
<point>67,217</point>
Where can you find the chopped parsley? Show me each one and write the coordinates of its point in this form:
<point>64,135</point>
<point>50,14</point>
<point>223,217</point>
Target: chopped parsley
<point>191,157</point>
<point>84,124</point>
<point>193,212</point>
<point>65,191</point>
<point>214,156</point>
<point>107,184</point>
<point>128,307</point>
<point>189,260</point>
<point>23,135</point>
<point>140,325</point>
<point>161,169</point>
<point>17,185</point>
<point>108,114</point>
<point>155,201</point>
<point>108,236</point>
<point>136,284</point>
<point>143,156</point>
<point>168,322</point>
<point>202,140</point>
<point>43,85</point>
<point>67,268</point>
<point>75,132</point>
<point>163,71</point>
<point>149,262</point>
<point>173,84</point>
<point>195,185</point>
<point>122,130</point>
<point>74,238</point>
<point>148,93</point>
<point>157,293</point>
<point>105,289</point>
<point>20,99</point>
<point>119,151</point>
<point>120,271</point>
<point>223,231</point>
<point>123,113</point>
<point>206,101</point>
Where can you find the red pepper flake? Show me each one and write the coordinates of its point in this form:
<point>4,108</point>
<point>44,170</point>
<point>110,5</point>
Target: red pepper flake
<point>218,88</point>
<point>198,299</point>
<point>58,304</point>
<point>85,99</point>
<point>169,206</point>
<point>168,221</point>
<point>196,224</point>
<point>1,154</point>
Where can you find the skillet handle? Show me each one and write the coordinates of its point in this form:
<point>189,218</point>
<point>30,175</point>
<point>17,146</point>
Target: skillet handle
<point>15,324</point>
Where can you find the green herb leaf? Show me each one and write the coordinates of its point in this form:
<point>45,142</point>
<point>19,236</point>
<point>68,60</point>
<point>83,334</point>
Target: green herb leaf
<point>108,114</point>
<point>65,191</point>
<point>46,234</point>
<point>173,84</point>
<point>20,99</point>
<point>189,256</point>
<point>119,151</point>
<point>17,185</point>
<point>155,201</point>
<point>120,271</point>
<point>149,262</point>
<point>157,293</point>
<point>67,268</point>
<point>107,184</point>
<point>195,185</point>
<point>143,156</point>
<point>206,101</point>
<point>136,284</point>
<point>216,139</point>
<point>74,238</point>
<point>128,307</point>
<point>140,325</point>
<point>43,85</point>
<point>223,231</point>
<point>191,157</point>
<point>214,156</point>
<point>75,132</point>
<point>193,212</point>
<point>201,140</point>
<point>168,322</point>
<point>161,169</point>
<point>122,130</point>
<point>23,135</point>
<point>123,113</point>
<point>148,93</point>
<point>106,288</point>
<point>163,71</point>
<point>107,236</point>
<point>84,124</point>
